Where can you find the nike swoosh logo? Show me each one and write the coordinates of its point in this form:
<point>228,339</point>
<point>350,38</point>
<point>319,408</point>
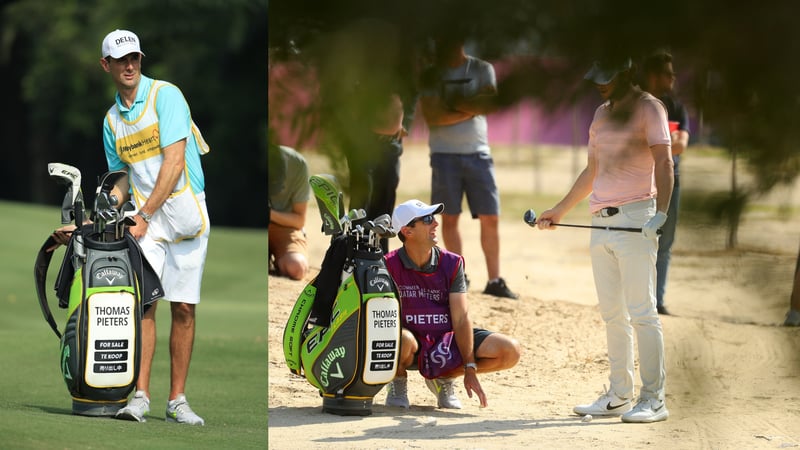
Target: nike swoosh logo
<point>659,408</point>
<point>610,407</point>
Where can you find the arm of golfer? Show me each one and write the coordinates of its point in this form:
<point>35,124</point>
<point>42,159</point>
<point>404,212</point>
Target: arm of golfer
<point>171,169</point>
<point>462,326</point>
<point>580,189</point>
<point>665,177</point>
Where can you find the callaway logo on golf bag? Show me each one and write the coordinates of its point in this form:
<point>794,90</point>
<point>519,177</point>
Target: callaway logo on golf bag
<point>343,334</point>
<point>100,283</point>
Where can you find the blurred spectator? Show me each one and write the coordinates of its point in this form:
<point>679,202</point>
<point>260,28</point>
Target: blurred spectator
<point>659,80</point>
<point>373,160</point>
<point>458,92</point>
<point>386,102</point>
<point>289,193</point>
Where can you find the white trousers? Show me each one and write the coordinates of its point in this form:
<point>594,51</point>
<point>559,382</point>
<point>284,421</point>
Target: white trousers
<point>624,267</point>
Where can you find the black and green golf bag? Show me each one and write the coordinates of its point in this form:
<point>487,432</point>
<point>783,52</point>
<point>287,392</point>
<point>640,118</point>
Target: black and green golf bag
<point>100,283</point>
<point>343,334</point>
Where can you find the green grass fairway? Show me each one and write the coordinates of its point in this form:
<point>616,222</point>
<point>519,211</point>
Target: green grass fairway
<point>227,382</point>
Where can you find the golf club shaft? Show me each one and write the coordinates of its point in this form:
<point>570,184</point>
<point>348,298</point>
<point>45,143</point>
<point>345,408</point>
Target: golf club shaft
<point>530,219</point>
<point>596,227</point>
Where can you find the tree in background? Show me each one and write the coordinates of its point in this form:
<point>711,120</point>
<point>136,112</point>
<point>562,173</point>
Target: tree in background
<point>743,61</point>
<point>741,57</point>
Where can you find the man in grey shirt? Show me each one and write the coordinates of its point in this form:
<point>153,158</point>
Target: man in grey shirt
<point>457,94</point>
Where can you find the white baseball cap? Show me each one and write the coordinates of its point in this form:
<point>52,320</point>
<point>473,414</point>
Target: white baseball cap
<point>410,210</point>
<point>119,43</point>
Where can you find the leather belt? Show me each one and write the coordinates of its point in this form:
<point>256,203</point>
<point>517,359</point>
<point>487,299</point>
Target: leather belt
<point>607,212</point>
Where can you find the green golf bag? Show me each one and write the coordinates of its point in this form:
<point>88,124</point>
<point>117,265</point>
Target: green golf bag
<point>100,283</point>
<point>343,334</point>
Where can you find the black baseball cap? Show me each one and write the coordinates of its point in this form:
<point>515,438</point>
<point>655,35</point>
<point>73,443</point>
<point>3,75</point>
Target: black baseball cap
<point>603,71</point>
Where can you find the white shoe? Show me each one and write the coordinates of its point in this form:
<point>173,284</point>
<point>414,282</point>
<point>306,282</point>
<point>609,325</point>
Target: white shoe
<point>607,405</point>
<point>178,411</point>
<point>397,393</point>
<point>136,409</point>
<point>444,388</point>
<point>647,410</point>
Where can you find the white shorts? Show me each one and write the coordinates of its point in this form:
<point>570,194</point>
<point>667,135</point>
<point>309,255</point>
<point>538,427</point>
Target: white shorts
<point>179,265</point>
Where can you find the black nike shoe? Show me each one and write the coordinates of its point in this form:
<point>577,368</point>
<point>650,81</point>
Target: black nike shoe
<point>498,288</point>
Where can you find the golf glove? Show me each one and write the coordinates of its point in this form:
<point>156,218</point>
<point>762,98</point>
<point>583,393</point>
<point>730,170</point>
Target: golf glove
<point>651,228</point>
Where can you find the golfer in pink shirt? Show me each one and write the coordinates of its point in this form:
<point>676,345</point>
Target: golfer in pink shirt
<point>629,174</point>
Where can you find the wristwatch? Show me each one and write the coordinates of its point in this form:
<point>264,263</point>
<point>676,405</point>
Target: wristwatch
<point>471,366</point>
<point>145,216</point>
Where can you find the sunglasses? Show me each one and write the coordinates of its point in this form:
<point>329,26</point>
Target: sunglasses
<point>427,220</point>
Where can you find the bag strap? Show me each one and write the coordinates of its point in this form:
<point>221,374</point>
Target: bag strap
<point>40,275</point>
<point>294,334</point>
<point>329,279</point>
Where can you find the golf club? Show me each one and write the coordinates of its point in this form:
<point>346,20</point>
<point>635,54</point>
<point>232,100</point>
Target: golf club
<point>116,185</point>
<point>101,214</point>
<point>71,177</point>
<point>379,228</point>
<point>530,219</point>
<point>111,188</point>
<point>127,210</point>
<point>72,206</point>
<point>347,220</point>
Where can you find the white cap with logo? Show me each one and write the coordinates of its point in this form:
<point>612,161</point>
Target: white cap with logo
<point>410,210</point>
<point>119,43</point>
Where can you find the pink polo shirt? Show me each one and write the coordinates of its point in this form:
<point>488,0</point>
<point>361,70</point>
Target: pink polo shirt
<point>620,139</point>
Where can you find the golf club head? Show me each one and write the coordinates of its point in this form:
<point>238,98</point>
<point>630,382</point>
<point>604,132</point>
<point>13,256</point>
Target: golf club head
<point>127,218</point>
<point>356,214</point>
<point>128,208</point>
<point>348,220</point>
<point>530,217</point>
<point>102,203</point>
<point>109,215</point>
<point>69,176</point>
<point>384,219</point>
<point>65,174</point>
<point>116,185</point>
<point>330,202</point>
<point>383,231</point>
<point>383,226</point>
